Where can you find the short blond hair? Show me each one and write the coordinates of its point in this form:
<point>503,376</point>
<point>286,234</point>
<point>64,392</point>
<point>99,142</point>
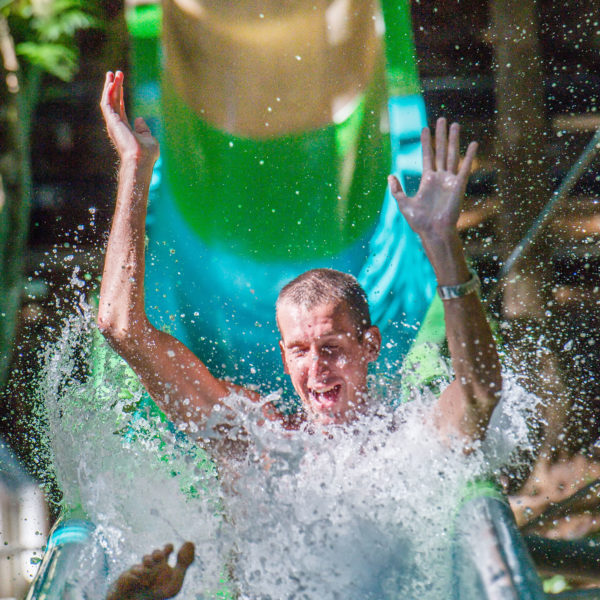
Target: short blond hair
<point>322,286</point>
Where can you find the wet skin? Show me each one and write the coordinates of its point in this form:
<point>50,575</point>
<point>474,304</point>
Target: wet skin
<point>326,359</point>
<point>329,378</point>
<point>154,579</point>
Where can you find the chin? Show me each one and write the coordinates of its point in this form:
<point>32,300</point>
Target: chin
<point>331,417</point>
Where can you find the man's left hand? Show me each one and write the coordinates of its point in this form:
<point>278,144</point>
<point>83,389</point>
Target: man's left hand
<point>435,208</point>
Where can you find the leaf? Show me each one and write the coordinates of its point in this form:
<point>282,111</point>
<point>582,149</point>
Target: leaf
<point>5,3</point>
<point>46,31</point>
<point>57,59</point>
<point>62,25</point>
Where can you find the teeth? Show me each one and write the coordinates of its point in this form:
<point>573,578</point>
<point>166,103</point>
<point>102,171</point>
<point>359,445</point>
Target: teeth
<point>324,390</point>
<point>326,395</point>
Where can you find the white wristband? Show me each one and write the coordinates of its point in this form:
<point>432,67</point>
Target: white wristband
<point>449,292</point>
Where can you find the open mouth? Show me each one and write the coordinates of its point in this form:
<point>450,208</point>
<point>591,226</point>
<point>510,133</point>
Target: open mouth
<point>325,397</point>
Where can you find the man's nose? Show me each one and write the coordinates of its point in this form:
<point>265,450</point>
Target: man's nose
<point>319,364</point>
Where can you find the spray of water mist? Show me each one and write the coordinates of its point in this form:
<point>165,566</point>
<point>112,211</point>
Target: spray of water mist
<point>363,511</point>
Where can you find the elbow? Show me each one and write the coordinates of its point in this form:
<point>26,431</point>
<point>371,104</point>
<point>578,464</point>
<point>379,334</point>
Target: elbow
<point>118,332</point>
<point>123,325</point>
<point>107,325</point>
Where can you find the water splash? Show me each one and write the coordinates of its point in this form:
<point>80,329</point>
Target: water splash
<point>132,476</point>
<point>359,512</point>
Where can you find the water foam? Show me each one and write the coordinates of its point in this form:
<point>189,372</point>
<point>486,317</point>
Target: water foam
<point>364,511</point>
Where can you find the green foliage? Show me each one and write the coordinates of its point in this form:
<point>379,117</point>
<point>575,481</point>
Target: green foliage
<point>63,20</point>
<point>45,31</point>
<point>57,59</point>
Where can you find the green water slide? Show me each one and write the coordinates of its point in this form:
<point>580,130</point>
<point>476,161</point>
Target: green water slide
<point>278,126</point>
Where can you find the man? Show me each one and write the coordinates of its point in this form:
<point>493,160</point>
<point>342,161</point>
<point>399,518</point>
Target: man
<point>327,339</point>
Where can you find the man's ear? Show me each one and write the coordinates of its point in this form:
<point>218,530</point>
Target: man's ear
<point>372,342</point>
<point>283,360</point>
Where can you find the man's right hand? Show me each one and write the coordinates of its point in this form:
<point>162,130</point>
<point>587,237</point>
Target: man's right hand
<point>137,144</point>
<point>177,380</point>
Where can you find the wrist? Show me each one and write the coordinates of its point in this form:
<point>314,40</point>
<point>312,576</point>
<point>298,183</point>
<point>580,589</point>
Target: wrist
<point>134,180</point>
<point>447,257</point>
<point>447,239</point>
<point>136,163</point>
<point>450,292</point>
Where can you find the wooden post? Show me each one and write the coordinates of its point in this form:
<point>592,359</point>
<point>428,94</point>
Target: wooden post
<point>523,136</point>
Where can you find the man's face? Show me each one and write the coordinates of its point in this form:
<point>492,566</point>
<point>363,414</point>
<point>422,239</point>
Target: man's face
<point>325,359</point>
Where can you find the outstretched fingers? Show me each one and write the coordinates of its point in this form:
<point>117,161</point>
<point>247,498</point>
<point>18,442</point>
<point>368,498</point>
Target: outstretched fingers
<point>158,556</point>
<point>112,101</point>
<point>427,149</point>
<point>106,90</point>
<point>403,202</point>
<point>115,93</point>
<point>467,163</point>
<point>441,142</point>
<point>119,78</point>
<point>395,187</point>
<point>447,150</point>
<point>447,147</point>
<point>453,148</point>
<point>154,578</point>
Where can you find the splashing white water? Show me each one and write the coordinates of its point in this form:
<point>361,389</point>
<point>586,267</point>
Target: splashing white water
<point>350,512</point>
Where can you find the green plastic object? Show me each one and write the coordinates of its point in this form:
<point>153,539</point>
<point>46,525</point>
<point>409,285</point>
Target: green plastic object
<point>144,20</point>
<point>426,364</point>
<point>240,195</point>
<point>402,73</point>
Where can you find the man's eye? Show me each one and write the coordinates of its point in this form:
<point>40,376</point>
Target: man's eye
<point>299,351</point>
<point>329,349</point>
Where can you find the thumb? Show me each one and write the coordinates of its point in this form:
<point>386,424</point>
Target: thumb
<point>395,187</point>
<point>185,556</point>
<point>140,126</point>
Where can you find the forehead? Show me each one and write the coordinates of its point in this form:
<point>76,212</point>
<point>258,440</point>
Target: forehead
<point>297,322</point>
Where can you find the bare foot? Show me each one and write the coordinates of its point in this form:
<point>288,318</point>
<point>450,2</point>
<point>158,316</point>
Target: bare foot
<point>154,579</point>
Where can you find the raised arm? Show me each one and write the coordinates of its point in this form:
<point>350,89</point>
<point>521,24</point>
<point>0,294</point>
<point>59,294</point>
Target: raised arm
<point>175,378</point>
<point>467,404</point>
